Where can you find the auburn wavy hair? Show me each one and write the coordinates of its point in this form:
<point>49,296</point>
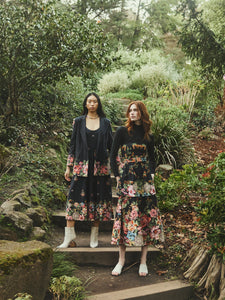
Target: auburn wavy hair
<point>146,122</point>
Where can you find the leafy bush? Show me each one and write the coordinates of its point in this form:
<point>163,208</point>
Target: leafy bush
<point>113,82</point>
<point>22,296</point>
<point>126,94</point>
<point>212,210</point>
<point>113,110</point>
<point>62,266</point>
<point>67,288</point>
<point>53,106</point>
<point>154,77</point>
<point>174,191</point>
<point>170,128</point>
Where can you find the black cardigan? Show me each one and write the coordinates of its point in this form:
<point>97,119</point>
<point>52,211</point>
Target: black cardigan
<point>78,153</point>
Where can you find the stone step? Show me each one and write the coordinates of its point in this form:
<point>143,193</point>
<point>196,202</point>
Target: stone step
<point>170,290</point>
<point>105,256</point>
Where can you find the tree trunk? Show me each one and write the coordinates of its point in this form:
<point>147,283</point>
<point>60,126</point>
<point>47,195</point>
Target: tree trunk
<point>210,280</point>
<point>136,30</point>
<point>198,266</point>
<point>189,258</point>
<point>222,282</point>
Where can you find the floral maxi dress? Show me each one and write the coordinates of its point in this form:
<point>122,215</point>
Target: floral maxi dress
<point>90,195</point>
<point>138,221</point>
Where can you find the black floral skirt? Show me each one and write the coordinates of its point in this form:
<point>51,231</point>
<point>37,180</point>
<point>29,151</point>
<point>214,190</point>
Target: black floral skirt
<point>138,222</point>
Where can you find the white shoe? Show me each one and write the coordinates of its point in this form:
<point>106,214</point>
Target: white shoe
<point>94,237</point>
<point>69,236</point>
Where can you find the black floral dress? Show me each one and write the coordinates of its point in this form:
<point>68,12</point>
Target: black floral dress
<point>90,196</point>
<point>138,221</point>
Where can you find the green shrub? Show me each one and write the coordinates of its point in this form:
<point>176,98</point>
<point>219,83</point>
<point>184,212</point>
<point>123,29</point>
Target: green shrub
<point>154,77</point>
<point>174,191</point>
<point>113,110</point>
<point>211,211</point>
<point>126,94</point>
<point>62,265</point>
<point>170,128</point>
<point>113,82</point>
<point>67,288</point>
<point>53,106</point>
<point>22,296</point>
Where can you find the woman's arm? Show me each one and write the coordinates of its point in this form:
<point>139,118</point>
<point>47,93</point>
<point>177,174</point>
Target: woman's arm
<point>114,152</point>
<point>70,159</point>
<point>151,155</point>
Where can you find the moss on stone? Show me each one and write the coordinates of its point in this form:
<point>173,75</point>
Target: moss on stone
<point>24,254</point>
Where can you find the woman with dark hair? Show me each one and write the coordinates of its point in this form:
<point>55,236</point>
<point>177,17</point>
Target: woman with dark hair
<point>90,192</point>
<point>138,221</point>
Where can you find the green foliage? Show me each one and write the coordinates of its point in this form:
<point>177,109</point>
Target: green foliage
<point>62,266</point>
<point>41,43</point>
<point>162,16</point>
<point>212,210</point>
<point>22,296</point>
<point>95,8</point>
<point>174,191</point>
<point>67,288</point>
<point>112,109</point>
<point>126,94</point>
<point>170,128</point>
<point>113,82</point>
<point>153,78</point>
<point>200,42</point>
<point>33,161</point>
<point>53,106</point>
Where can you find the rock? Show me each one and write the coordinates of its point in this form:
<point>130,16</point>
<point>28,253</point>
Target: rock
<point>38,215</point>
<point>38,233</point>
<point>23,198</point>
<point>11,205</point>
<point>19,221</point>
<point>165,170</point>
<point>25,268</point>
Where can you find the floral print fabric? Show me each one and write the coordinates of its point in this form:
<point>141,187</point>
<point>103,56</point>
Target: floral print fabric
<point>138,221</point>
<point>81,168</point>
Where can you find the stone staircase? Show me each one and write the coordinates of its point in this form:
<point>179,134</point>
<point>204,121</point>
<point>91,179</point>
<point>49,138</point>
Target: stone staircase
<point>106,256</point>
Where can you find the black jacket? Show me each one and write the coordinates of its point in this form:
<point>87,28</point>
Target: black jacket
<point>78,153</point>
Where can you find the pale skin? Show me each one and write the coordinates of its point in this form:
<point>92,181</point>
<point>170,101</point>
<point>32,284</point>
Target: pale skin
<point>92,123</point>
<point>135,116</point>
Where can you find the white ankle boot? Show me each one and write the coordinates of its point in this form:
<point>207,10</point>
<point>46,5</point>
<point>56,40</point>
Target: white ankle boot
<point>94,237</point>
<point>69,236</point>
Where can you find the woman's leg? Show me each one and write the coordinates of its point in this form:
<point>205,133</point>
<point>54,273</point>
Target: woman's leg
<point>118,268</point>
<point>143,270</point>
<point>69,234</point>
<point>94,234</point>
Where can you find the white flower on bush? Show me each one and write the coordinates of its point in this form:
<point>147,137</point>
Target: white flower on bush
<point>113,82</point>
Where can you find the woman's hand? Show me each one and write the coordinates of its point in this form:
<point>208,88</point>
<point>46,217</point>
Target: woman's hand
<point>67,174</point>
<point>117,181</point>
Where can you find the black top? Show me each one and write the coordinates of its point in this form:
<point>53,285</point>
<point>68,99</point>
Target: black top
<point>136,136</point>
<point>92,138</point>
<point>78,145</point>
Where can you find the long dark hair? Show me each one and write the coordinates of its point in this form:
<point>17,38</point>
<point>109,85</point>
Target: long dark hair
<point>100,111</point>
<point>146,122</point>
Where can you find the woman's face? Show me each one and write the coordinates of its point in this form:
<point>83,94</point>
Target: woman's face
<point>92,103</point>
<point>134,113</point>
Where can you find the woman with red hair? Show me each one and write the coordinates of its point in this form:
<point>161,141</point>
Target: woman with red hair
<point>138,221</point>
